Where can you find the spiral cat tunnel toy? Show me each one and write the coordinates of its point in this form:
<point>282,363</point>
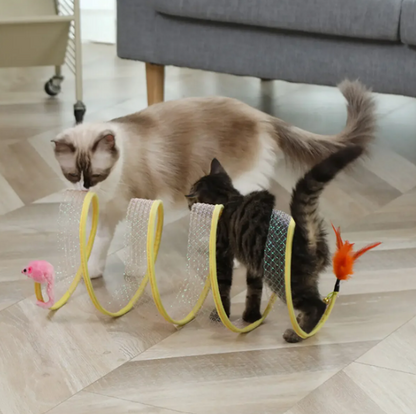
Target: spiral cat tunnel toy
<point>78,222</point>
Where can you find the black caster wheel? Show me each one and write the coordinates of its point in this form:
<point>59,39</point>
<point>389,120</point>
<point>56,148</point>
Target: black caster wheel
<point>79,112</point>
<point>52,88</point>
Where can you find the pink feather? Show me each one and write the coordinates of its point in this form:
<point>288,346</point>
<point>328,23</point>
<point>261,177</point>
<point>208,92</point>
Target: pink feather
<point>42,272</point>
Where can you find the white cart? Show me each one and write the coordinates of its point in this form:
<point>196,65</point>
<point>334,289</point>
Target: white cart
<point>43,33</point>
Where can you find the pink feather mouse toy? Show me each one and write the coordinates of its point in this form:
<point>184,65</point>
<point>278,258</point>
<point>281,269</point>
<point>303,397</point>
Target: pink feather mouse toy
<point>42,272</point>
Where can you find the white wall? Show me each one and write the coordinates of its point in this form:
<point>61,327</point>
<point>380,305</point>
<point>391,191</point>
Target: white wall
<point>98,4</point>
<point>98,21</point>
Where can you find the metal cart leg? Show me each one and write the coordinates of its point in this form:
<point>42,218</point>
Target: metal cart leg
<point>79,107</point>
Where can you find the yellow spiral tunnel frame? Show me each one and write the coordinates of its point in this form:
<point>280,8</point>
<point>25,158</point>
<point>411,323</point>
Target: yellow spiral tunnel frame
<point>154,235</point>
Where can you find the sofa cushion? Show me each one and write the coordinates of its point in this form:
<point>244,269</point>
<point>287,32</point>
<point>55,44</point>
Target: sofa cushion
<point>408,22</point>
<point>365,19</point>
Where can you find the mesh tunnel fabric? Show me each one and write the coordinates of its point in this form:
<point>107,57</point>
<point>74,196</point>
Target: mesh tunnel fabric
<point>275,253</point>
<point>67,244</point>
<point>195,285</point>
<point>197,293</point>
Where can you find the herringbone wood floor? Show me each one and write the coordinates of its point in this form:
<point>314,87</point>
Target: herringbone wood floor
<point>76,360</point>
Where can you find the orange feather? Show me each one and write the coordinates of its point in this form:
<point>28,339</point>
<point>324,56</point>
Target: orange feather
<point>365,249</point>
<point>338,235</point>
<point>344,257</point>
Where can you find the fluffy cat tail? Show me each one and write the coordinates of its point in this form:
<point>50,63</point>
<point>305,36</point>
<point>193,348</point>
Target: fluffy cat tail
<point>306,194</point>
<point>306,148</point>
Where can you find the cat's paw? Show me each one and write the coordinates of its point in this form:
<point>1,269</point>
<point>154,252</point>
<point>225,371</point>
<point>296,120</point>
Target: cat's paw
<point>95,270</point>
<point>251,315</point>
<point>214,317</point>
<point>291,336</point>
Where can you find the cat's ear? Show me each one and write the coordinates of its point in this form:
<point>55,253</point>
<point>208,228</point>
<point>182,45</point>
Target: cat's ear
<point>105,142</point>
<point>62,145</point>
<point>216,167</point>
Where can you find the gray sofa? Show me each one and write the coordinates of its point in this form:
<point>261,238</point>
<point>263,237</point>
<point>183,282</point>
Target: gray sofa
<point>308,41</point>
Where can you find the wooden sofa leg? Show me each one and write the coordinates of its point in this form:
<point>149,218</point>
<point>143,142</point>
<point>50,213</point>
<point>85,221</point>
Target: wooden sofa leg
<point>155,80</point>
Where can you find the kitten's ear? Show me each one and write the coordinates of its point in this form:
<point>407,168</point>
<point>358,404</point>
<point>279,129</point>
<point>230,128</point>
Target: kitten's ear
<point>62,145</point>
<point>106,142</point>
<point>216,167</point>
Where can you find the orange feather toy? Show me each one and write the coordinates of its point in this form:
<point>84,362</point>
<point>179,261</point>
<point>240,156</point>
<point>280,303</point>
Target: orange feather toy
<point>344,257</point>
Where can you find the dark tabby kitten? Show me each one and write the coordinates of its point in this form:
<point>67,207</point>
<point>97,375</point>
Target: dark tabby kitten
<point>242,234</point>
